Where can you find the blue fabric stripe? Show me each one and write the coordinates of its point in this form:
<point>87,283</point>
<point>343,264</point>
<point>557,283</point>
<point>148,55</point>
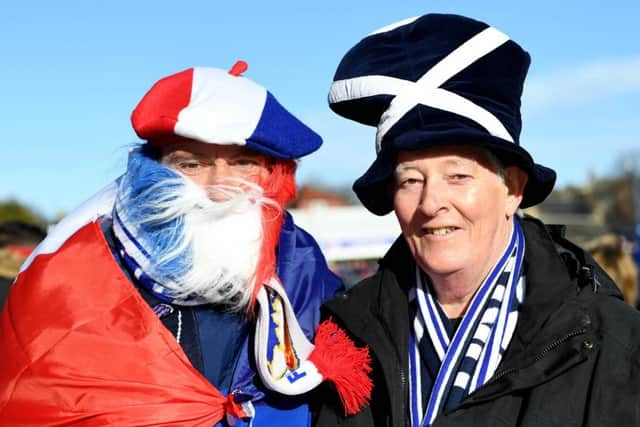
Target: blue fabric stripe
<point>415,416</point>
<point>128,233</point>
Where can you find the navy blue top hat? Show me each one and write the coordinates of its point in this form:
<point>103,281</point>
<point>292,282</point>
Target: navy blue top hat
<point>436,80</point>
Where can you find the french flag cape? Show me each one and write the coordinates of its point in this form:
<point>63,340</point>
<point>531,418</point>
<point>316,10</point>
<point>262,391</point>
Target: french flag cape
<point>81,346</point>
<point>78,298</point>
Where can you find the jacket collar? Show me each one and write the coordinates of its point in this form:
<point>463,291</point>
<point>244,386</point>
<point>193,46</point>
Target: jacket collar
<point>554,322</point>
<point>549,284</point>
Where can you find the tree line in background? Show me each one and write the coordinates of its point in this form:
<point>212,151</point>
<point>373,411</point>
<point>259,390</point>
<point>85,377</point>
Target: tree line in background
<point>14,210</point>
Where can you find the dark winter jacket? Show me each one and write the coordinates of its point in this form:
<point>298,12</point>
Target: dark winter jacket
<point>574,359</point>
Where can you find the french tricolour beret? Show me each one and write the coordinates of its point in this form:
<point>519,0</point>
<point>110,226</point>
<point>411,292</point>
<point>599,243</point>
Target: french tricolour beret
<point>215,106</point>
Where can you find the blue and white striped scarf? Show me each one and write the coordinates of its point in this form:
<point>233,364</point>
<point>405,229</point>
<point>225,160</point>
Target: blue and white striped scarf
<point>471,356</point>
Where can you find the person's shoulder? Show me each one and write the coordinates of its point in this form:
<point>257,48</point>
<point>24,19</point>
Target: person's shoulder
<point>292,235</point>
<point>618,324</point>
<point>362,293</point>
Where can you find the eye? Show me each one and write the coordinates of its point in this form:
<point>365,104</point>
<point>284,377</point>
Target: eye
<point>188,166</point>
<point>459,177</point>
<point>246,162</point>
<point>409,182</point>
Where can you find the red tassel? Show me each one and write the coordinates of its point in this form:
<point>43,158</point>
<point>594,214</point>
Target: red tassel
<point>338,360</point>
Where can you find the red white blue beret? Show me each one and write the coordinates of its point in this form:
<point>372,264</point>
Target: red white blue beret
<point>215,106</point>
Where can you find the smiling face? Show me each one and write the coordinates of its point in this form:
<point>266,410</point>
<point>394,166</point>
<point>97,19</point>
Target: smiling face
<point>455,210</point>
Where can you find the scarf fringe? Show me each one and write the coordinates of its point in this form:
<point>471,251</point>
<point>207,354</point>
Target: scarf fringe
<point>348,367</point>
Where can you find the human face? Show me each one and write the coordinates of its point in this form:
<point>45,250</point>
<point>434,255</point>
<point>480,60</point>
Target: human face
<point>455,210</point>
<point>207,164</point>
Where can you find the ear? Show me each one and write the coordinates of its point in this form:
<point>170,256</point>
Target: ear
<point>515,180</point>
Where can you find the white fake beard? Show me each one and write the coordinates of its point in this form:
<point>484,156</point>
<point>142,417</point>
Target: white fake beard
<point>222,238</point>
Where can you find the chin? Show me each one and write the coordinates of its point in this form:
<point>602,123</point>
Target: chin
<point>442,268</point>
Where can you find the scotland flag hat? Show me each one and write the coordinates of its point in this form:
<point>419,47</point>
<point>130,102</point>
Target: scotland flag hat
<point>219,107</point>
<point>436,80</point>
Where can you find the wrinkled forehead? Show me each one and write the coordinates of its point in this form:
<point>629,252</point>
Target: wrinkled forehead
<point>450,154</point>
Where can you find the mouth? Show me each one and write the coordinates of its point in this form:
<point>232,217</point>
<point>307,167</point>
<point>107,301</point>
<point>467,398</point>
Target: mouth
<point>438,231</point>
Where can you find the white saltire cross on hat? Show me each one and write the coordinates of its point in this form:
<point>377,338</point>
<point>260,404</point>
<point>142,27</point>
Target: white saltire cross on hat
<point>426,90</point>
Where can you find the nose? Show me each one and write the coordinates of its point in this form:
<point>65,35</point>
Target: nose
<point>433,197</point>
<point>219,170</point>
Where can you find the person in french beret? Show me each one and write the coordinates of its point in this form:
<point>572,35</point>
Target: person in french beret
<point>183,294</point>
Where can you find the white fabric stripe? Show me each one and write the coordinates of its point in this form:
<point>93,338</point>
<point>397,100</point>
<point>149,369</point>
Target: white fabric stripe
<point>476,371</point>
<point>520,291</point>
<point>466,54</point>
<point>393,26</point>
<point>512,319</point>
<point>443,100</point>
<point>362,87</point>
<point>418,327</point>
<point>498,293</point>
<point>425,298</point>
<point>211,118</point>
<point>418,369</point>
<point>474,350</point>
<point>98,205</point>
<point>483,333</point>
<point>461,381</point>
<point>131,249</point>
<point>499,327</point>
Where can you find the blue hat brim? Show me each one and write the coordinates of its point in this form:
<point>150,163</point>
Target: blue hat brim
<point>374,190</point>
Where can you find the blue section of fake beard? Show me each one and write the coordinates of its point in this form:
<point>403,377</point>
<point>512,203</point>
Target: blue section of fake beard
<point>140,202</point>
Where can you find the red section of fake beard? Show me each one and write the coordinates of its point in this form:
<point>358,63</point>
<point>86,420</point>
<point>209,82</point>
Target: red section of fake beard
<point>280,187</point>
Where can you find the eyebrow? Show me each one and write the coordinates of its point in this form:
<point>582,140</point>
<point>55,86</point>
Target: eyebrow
<point>180,156</point>
<point>410,164</point>
<point>401,167</point>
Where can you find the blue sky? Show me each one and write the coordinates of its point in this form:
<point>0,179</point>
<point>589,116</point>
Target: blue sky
<point>72,72</point>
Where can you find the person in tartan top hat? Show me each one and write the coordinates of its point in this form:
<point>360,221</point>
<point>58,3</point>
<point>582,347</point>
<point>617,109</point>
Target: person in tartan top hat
<point>478,315</point>
<point>183,294</point>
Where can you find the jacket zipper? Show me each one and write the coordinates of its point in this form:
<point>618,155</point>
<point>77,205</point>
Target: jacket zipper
<point>539,357</point>
<point>403,376</point>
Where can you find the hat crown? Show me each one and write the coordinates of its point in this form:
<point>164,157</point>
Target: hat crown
<point>493,80</point>
<point>435,80</point>
<point>214,106</point>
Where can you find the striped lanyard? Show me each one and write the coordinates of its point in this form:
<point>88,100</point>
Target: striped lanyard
<point>471,356</point>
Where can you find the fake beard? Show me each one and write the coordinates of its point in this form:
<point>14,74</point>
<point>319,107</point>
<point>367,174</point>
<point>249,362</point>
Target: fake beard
<point>200,250</point>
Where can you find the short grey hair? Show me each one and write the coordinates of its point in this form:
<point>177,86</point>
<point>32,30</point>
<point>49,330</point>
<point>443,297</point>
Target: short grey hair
<point>494,161</point>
